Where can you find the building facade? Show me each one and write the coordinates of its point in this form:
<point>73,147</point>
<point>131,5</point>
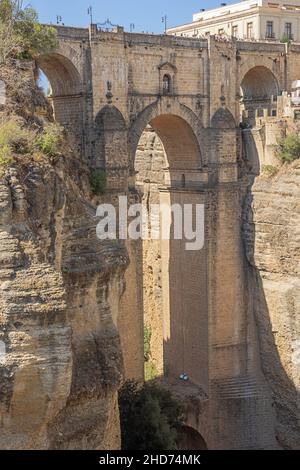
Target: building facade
<point>249,19</point>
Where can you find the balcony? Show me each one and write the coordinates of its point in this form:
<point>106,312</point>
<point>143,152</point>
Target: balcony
<point>270,35</point>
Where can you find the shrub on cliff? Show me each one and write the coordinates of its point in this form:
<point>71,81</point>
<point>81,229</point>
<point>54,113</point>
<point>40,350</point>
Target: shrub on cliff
<point>21,35</point>
<point>6,157</point>
<point>150,370</point>
<point>147,343</point>
<point>17,140</point>
<point>150,417</point>
<point>12,134</point>
<point>50,140</point>
<point>13,140</point>
<point>269,170</point>
<point>288,148</point>
<point>98,182</point>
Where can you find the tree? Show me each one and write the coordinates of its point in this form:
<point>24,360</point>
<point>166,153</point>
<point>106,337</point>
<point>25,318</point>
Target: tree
<point>21,35</point>
<point>150,417</point>
<point>288,148</point>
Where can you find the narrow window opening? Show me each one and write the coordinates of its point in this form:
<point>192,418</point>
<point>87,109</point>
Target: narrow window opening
<point>167,85</point>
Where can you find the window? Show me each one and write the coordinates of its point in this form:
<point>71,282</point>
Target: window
<point>288,30</point>
<point>249,30</point>
<point>270,33</point>
<point>167,85</point>
<point>235,31</point>
<point>221,32</point>
<point>260,113</point>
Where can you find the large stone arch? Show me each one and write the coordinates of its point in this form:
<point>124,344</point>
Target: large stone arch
<point>166,264</point>
<point>66,93</point>
<point>172,121</point>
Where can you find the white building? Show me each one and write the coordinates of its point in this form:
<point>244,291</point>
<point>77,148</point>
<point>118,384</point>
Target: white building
<point>296,93</point>
<point>248,19</point>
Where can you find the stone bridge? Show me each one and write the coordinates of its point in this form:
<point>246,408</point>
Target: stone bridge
<point>161,115</point>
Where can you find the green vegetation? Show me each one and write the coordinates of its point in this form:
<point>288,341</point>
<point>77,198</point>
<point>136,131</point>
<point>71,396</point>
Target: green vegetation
<point>98,182</point>
<point>147,343</point>
<point>269,170</point>
<point>12,135</point>
<point>6,157</point>
<point>288,148</point>
<point>244,125</point>
<point>15,140</point>
<point>21,35</point>
<point>150,370</point>
<point>284,39</point>
<point>150,417</point>
<point>50,140</point>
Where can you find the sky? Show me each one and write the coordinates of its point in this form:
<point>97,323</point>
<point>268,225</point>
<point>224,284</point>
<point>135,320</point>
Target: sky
<point>145,15</point>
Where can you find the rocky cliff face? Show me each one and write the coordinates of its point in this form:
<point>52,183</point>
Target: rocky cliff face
<point>272,238</point>
<point>61,365</point>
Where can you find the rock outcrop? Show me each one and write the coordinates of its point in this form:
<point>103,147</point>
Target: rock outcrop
<point>61,362</point>
<point>272,238</point>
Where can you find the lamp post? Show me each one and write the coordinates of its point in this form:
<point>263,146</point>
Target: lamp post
<point>165,21</point>
<point>90,12</point>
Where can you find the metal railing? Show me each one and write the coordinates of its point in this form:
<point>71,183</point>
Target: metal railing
<point>270,35</point>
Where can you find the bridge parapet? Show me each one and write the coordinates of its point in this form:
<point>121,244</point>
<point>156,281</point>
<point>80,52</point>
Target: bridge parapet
<point>261,46</point>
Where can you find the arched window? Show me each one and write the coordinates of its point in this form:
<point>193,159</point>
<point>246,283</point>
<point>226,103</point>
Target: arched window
<point>167,84</point>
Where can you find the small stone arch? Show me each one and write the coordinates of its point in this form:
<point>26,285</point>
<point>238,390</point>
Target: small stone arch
<point>223,119</point>
<point>224,129</point>
<point>190,439</point>
<point>259,83</point>
<point>110,139</point>
<point>62,74</point>
<point>110,118</point>
<point>259,90</point>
